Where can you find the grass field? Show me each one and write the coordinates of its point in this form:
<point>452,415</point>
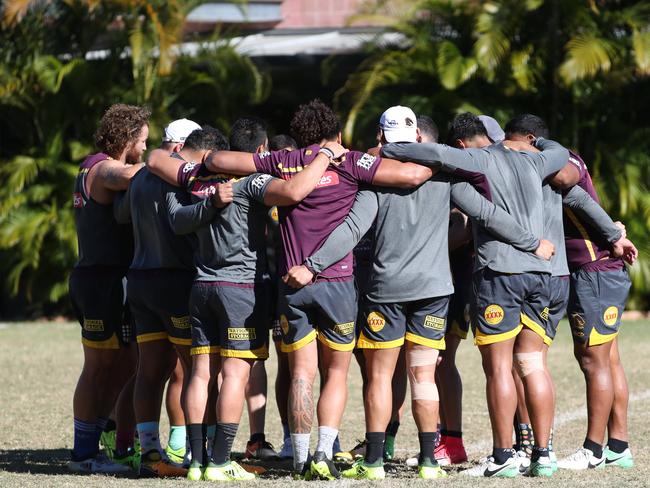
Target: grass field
<point>40,363</point>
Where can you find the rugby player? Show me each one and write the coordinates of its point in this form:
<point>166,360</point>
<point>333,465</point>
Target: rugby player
<point>160,279</point>
<point>279,142</point>
<point>249,134</point>
<point>328,305</point>
<point>413,310</point>
<point>174,136</point>
<point>230,291</point>
<point>506,279</point>
<point>96,282</point>
<point>594,314</point>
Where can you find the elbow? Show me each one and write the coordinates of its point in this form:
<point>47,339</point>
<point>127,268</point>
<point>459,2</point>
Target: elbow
<point>415,176</point>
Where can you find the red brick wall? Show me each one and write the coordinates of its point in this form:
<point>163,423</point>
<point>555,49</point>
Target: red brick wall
<point>317,13</point>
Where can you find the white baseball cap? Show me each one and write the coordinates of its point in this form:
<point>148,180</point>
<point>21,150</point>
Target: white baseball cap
<point>399,124</point>
<point>494,130</point>
<point>178,130</point>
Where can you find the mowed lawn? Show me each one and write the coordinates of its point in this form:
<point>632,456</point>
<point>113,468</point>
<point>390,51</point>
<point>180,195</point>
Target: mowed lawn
<point>40,363</point>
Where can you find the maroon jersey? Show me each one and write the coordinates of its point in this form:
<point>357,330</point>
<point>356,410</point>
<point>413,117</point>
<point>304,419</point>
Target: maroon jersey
<point>304,227</point>
<point>584,246</point>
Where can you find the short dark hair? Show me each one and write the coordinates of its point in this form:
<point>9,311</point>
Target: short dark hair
<point>120,125</point>
<point>527,124</point>
<point>247,134</point>
<point>314,122</point>
<point>282,141</point>
<point>465,126</point>
<point>428,127</point>
<point>206,138</point>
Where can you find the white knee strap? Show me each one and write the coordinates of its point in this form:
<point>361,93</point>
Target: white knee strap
<point>528,362</point>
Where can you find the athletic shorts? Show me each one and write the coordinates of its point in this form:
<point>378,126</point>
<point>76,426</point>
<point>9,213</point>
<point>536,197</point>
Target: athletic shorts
<point>558,304</point>
<point>230,319</point>
<point>326,309</point>
<point>388,325</point>
<point>596,303</point>
<point>159,301</point>
<point>505,303</point>
<point>274,319</point>
<point>458,318</point>
<point>98,300</point>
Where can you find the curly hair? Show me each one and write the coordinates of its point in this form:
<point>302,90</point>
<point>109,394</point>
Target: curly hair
<point>465,126</point>
<point>313,123</point>
<point>120,126</point>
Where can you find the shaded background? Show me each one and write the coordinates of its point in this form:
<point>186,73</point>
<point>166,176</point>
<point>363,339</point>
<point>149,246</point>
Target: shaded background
<point>582,65</point>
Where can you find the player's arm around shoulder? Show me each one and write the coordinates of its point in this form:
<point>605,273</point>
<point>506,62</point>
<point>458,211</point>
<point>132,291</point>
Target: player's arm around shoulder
<point>110,176</point>
<point>290,192</point>
<point>393,173</point>
<point>166,167</point>
<point>231,162</point>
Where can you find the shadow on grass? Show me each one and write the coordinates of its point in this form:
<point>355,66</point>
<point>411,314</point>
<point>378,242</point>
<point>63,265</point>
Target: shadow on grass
<point>36,461</point>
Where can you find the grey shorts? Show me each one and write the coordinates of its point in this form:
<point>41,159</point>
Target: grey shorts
<point>230,319</point>
<point>159,301</point>
<point>326,309</point>
<point>388,325</point>
<point>505,303</point>
<point>596,303</point>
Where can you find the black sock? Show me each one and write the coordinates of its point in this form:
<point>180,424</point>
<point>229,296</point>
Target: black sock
<point>452,433</point>
<point>427,445</point>
<point>539,452</point>
<point>616,445</point>
<point>197,435</point>
<point>257,437</point>
<point>594,447</point>
<point>392,428</point>
<point>374,447</point>
<point>501,455</point>
<point>525,438</point>
<point>110,425</point>
<point>223,440</point>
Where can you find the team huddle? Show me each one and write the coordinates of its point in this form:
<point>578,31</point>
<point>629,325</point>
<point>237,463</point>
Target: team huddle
<point>389,255</point>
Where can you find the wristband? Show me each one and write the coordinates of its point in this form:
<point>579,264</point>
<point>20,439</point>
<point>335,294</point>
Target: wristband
<point>327,152</point>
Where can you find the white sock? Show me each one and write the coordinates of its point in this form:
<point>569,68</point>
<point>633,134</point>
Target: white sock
<point>149,435</point>
<point>326,438</point>
<point>300,444</point>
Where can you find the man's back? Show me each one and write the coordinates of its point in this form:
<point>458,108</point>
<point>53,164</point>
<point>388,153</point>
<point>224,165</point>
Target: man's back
<point>156,245</point>
<point>411,259</point>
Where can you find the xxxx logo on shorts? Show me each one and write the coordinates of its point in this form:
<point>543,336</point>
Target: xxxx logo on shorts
<point>284,324</point>
<point>376,321</point>
<point>493,314</point>
<point>610,316</point>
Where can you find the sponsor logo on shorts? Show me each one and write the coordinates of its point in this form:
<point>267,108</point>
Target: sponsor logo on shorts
<point>284,324</point>
<point>493,314</point>
<point>92,325</point>
<point>545,313</point>
<point>259,181</point>
<point>610,316</point>
<point>77,201</point>
<point>433,322</point>
<point>241,334</point>
<point>376,321</point>
<point>345,329</point>
<point>366,161</point>
<point>330,178</point>
<point>181,322</point>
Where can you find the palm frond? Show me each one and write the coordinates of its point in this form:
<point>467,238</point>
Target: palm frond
<point>586,55</point>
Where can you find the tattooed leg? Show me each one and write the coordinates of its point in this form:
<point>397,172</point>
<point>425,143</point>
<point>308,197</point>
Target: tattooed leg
<point>303,365</point>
